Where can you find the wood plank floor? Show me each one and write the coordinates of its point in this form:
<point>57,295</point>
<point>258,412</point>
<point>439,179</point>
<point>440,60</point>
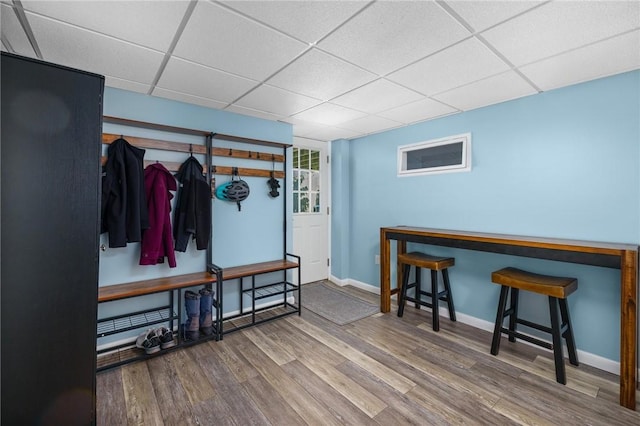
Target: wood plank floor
<point>381,370</point>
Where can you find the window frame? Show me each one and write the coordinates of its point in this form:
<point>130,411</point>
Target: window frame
<point>309,192</point>
<point>463,166</point>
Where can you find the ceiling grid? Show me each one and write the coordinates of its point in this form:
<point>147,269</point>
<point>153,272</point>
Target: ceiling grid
<point>333,69</point>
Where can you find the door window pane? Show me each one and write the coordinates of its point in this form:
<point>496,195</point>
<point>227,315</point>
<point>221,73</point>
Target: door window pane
<point>296,158</point>
<point>304,180</point>
<point>315,160</point>
<point>304,203</point>
<point>315,181</point>
<point>315,202</point>
<point>304,159</point>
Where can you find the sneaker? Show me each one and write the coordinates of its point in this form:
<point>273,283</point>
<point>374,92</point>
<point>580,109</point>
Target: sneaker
<point>149,341</point>
<point>166,338</point>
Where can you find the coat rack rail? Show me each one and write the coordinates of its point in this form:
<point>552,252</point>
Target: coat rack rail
<point>244,172</point>
<point>251,155</point>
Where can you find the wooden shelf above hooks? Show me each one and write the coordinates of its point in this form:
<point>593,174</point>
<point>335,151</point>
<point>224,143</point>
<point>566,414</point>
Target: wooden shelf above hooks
<point>108,138</point>
<point>249,155</point>
<point>249,140</point>
<point>154,126</point>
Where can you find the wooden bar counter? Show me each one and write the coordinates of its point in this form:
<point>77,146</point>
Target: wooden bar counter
<point>610,255</point>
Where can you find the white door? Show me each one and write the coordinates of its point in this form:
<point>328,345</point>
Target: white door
<point>310,213</point>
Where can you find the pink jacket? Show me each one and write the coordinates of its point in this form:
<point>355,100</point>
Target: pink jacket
<point>157,241</point>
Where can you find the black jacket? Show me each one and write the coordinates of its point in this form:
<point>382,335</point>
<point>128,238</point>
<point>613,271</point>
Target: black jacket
<point>124,209</point>
<point>192,217</point>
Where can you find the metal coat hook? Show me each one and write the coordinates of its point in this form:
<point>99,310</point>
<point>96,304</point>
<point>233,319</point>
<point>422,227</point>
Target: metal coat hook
<point>191,150</point>
<point>230,151</point>
<point>249,154</point>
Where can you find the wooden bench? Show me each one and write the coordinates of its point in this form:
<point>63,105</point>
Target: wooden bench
<point>174,285</point>
<point>281,287</point>
<point>158,285</point>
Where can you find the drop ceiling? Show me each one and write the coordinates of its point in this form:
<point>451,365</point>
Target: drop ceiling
<point>333,69</point>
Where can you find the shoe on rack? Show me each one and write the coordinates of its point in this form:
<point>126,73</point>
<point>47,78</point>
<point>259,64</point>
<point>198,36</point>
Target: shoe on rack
<point>166,337</point>
<point>149,341</point>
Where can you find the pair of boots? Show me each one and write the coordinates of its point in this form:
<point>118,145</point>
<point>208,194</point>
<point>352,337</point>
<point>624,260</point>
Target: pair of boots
<point>198,307</point>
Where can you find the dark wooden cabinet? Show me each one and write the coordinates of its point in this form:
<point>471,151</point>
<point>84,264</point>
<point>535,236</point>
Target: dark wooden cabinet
<point>50,166</point>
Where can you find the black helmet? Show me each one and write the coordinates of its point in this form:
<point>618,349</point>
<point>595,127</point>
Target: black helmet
<point>236,190</point>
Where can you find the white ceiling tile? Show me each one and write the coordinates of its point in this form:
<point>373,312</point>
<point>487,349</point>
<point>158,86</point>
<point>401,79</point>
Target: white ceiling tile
<point>484,14</point>
<point>499,88</point>
<point>74,47</point>
<point>328,114</point>
<point>559,26</point>
<point>253,112</point>
<point>612,56</point>
<point>418,111</point>
<point>332,133</point>
<point>389,35</point>
<point>190,99</point>
<point>277,101</point>
<point>222,39</point>
<point>131,86</point>
<point>305,141</point>
<point>148,23</point>
<point>14,34</point>
<point>320,76</point>
<point>323,133</point>
<point>377,96</point>
<point>370,124</point>
<point>197,80</point>
<point>303,128</point>
<point>305,20</point>
<point>463,63</point>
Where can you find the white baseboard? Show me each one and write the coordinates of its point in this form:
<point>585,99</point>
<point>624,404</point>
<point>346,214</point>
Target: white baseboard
<point>588,358</point>
<point>354,283</point>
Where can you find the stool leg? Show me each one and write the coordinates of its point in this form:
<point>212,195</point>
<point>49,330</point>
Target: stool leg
<point>513,317</point>
<point>557,341</point>
<point>447,288</point>
<point>435,314</point>
<point>418,287</point>
<point>403,290</point>
<point>568,334</point>
<point>497,331</point>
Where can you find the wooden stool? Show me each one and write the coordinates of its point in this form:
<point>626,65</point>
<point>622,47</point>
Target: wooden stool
<point>435,264</point>
<point>557,288</point>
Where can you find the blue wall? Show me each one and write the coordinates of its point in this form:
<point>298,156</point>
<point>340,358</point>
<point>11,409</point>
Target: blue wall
<point>562,164</point>
<point>252,235</point>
